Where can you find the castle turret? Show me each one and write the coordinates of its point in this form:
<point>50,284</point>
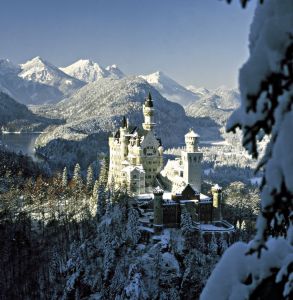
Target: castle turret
<point>217,202</point>
<point>124,122</point>
<point>158,209</point>
<point>123,139</point>
<point>191,140</point>
<point>191,159</point>
<point>148,112</point>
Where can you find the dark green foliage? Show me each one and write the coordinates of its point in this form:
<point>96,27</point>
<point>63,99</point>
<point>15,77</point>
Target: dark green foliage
<point>13,164</point>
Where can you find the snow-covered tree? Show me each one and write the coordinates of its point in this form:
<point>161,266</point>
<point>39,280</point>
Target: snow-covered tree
<point>108,252</point>
<point>186,222</point>
<point>240,203</point>
<point>77,179</point>
<point>90,178</point>
<point>96,189</point>
<point>266,86</point>
<point>103,177</point>
<point>213,246</point>
<point>101,200</point>
<point>223,245</point>
<point>132,228</point>
<point>65,177</point>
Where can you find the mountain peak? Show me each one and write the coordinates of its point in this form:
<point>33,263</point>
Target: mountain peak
<point>108,68</point>
<point>115,72</point>
<point>169,88</point>
<point>85,70</point>
<point>36,65</point>
<point>90,71</point>
<point>156,77</point>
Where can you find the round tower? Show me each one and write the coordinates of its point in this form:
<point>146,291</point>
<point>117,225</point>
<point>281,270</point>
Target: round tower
<point>158,210</point>
<point>191,159</point>
<point>191,139</point>
<point>217,202</point>
<point>149,114</point>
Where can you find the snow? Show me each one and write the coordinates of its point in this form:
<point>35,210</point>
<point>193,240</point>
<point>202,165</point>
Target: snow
<point>208,171</point>
<point>213,228</point>
<point>115,72</point>
<point>169,88</point>
<point>269,40</point>
<point>170,262</point>
<point>90,71</point>
<point>228,279</point>
<point>256,180</point>
<point>158,190</point>
<point>204,198</point>
<point>38,69</point>
<point>201,91</point>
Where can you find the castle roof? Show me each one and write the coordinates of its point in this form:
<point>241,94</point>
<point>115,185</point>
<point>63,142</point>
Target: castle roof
<point>191,133</point>
<point>148,101</point>
<point>158,191</point>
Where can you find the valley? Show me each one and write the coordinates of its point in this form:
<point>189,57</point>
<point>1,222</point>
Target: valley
<point>93,99</point>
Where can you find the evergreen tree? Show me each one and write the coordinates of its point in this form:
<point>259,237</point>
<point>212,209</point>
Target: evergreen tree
<point>212,246</point>
<point>77,179</point>
<point>109,253</point>
<point>223,245</point>
<point>101,200</point>
<point>65,177</point>
<point>201,244</point>
<point>103,177</point>
<point>132,228</point>
<point>95,190</point>
<point>90,178</point>
<point>186,222</point>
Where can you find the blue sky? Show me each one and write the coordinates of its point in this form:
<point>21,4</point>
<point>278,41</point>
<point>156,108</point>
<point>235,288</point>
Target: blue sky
<point>199,42</point>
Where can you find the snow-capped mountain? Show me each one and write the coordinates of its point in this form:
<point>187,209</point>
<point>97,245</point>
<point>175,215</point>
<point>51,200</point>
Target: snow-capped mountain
<point>170,89</point>
<point>41,71</point>
<point>230,97</point>
<point>89,71</point>
<point>85,70</point>
<point>100,106</point>
<point>200,92</point>
<point>217,105</point>
<point>115,72</point>
<point>36,82</point>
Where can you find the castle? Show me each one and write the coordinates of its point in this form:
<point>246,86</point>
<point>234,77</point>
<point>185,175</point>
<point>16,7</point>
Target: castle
<point>136,154</point>
<point>136,158</point>
<point>136,161</point>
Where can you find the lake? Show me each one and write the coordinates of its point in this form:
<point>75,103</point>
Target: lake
<point>23,142</point>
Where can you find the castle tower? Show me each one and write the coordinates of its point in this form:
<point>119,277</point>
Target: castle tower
<point>217,202</point>
<point>191,159</point>
<point>124,142</point>
<point>148,112</point>
<point>158,209</point>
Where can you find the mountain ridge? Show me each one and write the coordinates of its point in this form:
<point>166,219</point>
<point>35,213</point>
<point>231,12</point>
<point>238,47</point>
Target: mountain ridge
<point>169,88</point>
<point>90,71</point>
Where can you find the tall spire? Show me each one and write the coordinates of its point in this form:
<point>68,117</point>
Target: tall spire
<point>124,122</point>
<point>149,101</point>
<point>148,112</point>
